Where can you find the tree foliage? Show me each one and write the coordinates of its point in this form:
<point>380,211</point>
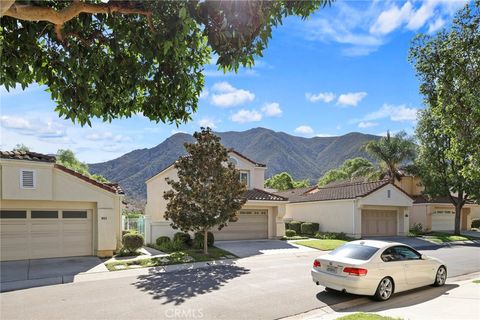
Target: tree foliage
<point>67,158</point>
<point>21,147</point>
<point>208,192</point>
<point>448,67</point>
<point>350,170</point>
<point>391,152</point>
<point>284,181</point>
<point>117,58</point>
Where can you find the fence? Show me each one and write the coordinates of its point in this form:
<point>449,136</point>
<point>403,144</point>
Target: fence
<point>137,224</point>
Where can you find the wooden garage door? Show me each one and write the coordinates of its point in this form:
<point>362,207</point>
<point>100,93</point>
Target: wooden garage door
<point>251,224</point>
<point>379,223</point>
<point>34,234</point>
<point>443,220</point>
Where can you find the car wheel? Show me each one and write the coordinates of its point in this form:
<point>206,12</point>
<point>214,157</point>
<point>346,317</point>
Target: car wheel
<point>384,290</point>
<point>440,277</point>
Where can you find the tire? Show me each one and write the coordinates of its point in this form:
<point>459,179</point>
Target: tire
<point>385,289</point>
<point>440,277</point>
<point>330,290</point>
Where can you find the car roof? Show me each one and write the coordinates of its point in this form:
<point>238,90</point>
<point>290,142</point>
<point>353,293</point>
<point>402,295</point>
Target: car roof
<point>377,243</point>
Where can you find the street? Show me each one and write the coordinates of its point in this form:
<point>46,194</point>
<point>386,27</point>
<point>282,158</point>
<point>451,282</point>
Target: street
<point>258,287</point>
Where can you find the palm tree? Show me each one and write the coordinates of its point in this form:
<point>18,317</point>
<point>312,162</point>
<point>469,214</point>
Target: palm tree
<point>391,152</point>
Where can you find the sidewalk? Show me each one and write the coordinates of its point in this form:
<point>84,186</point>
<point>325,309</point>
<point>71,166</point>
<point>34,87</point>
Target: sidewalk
<point>458,299</point>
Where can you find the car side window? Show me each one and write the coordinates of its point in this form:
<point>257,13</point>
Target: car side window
<point>390,255</point>
<point>407,254</point>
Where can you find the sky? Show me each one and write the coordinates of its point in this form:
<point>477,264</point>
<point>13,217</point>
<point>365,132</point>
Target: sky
<point>345,69</point>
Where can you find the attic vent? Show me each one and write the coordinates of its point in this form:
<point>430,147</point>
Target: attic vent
<point>27,179</point>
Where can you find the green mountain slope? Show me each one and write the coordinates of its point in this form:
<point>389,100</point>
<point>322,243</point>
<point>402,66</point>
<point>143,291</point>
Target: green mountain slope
<point>304,158</point>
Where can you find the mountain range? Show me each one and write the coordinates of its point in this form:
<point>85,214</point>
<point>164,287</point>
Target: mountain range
<point>303,158</point>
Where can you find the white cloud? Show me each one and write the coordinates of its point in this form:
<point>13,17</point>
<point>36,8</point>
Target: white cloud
<point>420,17</point>
<point>391,19</point>
<point>204,94</point>
<point>228,96</point>
<point>107,135</point>
<point>394,113</point>
<point>177,131</point>
<point>19,91</point>
<point>207,122</point>
<point>324,135</point>
<point>322,96</point>
<point>272,109</point>
<point>42,128</point>
<point>366,124</point>
<point>304,130</point>
<point>351,98</point>
<point>244,116</point>
<point>436,25</point>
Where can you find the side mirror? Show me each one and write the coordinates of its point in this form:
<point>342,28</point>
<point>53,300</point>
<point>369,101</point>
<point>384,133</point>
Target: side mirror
<point>424,257</point>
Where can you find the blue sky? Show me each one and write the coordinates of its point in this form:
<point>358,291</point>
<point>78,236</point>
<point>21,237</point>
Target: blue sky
<point>345,69</point>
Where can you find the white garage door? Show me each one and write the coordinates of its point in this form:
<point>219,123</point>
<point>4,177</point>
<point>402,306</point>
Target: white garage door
<point>251,224</point>
<point>379,222</point>
<point>34,234</point>
<point>443,220</point>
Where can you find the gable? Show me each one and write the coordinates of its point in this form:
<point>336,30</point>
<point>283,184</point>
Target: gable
<point>388,195</point>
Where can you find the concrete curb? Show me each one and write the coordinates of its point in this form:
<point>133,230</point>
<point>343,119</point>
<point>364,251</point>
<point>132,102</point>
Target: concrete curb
<point>95,276</point>
<point>316,313</point>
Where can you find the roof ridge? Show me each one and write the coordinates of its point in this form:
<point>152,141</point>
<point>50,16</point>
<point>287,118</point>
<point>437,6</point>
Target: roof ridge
<point>270,193</point>
<point>354,183</point>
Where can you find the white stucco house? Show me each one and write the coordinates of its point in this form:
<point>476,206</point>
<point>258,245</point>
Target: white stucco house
<point>48,210</point>
<point>260,218</point>
<point>358,209</point>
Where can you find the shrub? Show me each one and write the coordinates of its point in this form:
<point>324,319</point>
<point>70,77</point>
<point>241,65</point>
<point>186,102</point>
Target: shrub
<point>332,236</point>
<point>475,223</point>
<point>296,226</point>
<point>316,227</point>
<point>417,228</point>
<point>307,228</point>
<point>171,246</point>
<point>290,233</point>
<point>132,241</point>
<point>161,240</point>
<point>124,232</point>
<point>183,237</point>
<point>198,239</point>
<point>287,225</point>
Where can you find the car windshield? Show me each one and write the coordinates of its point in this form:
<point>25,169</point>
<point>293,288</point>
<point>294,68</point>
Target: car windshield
<point>354,251</point>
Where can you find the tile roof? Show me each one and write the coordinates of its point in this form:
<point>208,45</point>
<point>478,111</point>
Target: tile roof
<point>112,187</point>
<point>28,155</point>
<point>294,192</point>
<point>424,199</point>
<point>338,192</point>
<point>262,195</point>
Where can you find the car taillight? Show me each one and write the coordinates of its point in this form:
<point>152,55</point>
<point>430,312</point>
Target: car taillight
<point>355,271</point>
<point>316,263</point>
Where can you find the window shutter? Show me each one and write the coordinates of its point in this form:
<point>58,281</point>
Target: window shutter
<point>28,179</point>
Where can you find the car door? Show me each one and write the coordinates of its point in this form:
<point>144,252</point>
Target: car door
<point>394,267</point>
<point>417,271</point>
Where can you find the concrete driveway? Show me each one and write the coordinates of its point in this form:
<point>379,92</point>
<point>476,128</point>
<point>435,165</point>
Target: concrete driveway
<point>36,272</point>
<point>247,248</point>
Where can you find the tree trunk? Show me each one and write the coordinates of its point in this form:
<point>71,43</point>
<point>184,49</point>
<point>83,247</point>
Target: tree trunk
<point>458,216</point>
<point>205,241</point>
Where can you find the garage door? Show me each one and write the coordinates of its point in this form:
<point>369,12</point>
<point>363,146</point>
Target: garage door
<point>34,234</point>
<point>251,224</point>
<point>443,220</point>
<point>379,223</point>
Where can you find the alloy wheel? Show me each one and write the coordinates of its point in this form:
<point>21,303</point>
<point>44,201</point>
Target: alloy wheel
<point>386,288</point>
<point>441,276</point>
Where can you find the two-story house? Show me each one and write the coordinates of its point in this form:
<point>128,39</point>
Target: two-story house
<point>48,210</point>
<point>260,218</point>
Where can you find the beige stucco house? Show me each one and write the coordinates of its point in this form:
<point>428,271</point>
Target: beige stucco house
<point>47,210</point>
<point>436,214</point>
<point>260,218</point>
<point>358,209</point>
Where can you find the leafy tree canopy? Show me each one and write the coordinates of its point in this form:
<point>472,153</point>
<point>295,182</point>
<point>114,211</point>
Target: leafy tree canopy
<point>351,169</point>
<point>21,147</point>
<point>117,58</point>
<point>391,152</point>
<point>208,192</point>
<point>284,181</point>
<point>448,67</point>
<point>67,158</point>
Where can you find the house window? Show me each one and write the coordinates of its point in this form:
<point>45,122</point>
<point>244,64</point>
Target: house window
<point>245,178</point>
<point>445,211</point>
<point>44,214</point>
<point>233,161</point>
<point>27,179</point>
<point>13,214</point>
<point>74,214</point>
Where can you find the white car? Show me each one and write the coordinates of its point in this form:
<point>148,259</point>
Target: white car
<point>377,268</point>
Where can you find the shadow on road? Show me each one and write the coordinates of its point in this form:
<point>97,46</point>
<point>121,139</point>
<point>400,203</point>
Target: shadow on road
<point>177,287</point>
<point>332,297</point>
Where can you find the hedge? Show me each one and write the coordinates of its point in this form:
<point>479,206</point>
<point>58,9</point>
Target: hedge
<point>476,223</point>
<point>296,226</point>
<point>183,237</point>
<point>132,241</point>
<point>161,240</point>
<point>290,233</point>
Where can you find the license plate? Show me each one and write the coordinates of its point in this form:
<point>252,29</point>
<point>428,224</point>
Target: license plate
<point>332,269</point>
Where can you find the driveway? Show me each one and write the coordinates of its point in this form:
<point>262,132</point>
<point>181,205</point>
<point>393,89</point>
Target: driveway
<point>35,272</point>
<point>247,248</point>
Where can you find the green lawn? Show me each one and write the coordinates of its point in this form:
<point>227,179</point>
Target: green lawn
<point>476,281</point>
<point>321,244</point>
<point>183,256</point>
<point>439,237</point>
<point>366,316</point>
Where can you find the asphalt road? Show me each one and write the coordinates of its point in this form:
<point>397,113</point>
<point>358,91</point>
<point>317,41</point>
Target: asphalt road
<point>259,287</point>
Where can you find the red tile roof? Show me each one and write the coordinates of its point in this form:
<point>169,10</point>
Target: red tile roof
<point>262,195</point>
<point>28,155</point>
